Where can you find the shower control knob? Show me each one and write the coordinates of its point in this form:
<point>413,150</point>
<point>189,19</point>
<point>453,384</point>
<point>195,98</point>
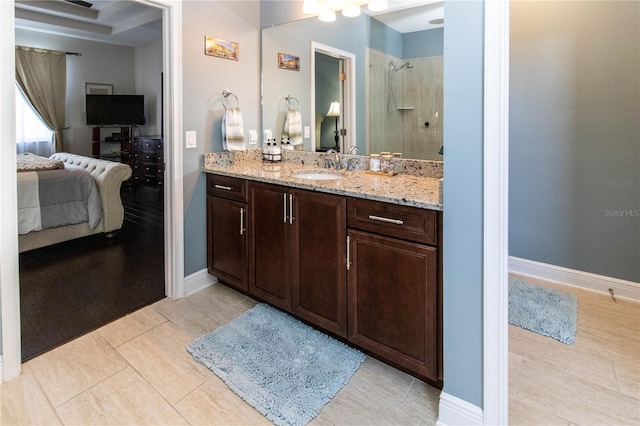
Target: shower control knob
<point>426,124</point>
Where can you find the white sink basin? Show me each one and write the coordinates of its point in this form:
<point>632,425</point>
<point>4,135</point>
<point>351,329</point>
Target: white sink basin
<point>317,176</point>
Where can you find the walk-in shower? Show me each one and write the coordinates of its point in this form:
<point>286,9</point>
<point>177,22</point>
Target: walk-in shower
<point>392,103</point>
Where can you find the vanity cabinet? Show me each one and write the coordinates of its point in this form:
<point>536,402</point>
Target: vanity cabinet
<point>270,249</point>
<point>227,231</point>
<point>394,292</point>
<point>366,271</point>
<point>298,253</point>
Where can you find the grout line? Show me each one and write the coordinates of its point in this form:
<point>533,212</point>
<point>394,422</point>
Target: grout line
<point>35,376</point>
<point>408,389</point>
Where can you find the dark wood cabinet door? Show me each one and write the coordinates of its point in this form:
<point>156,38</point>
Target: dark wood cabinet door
<point>270,264</point>
<point>393,301</point>
<point>319,256</point>
<point>227,241</point>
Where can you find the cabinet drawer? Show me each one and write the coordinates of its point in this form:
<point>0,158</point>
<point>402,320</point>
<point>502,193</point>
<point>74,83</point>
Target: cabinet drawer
<point>145,145</point>
<point>145,168</point>
<point>227,187</point>
<point>145,157</point>
<point>393,220</point>
<point>145,179</point>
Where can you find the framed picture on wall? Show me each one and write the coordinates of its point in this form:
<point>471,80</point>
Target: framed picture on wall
<point>288,62</point>
<point>98,89</point>
<point>221,48</point>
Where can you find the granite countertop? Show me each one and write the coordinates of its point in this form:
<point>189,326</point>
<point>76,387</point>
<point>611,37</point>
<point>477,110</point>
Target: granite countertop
<point>417,191</point>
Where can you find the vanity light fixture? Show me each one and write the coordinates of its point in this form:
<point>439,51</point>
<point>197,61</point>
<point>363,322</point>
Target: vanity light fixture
<point>326,9</point>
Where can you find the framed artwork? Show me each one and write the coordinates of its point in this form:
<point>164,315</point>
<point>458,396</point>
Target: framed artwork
<point>98,89</point>
<point>221,48</point>
<point>288,62</point>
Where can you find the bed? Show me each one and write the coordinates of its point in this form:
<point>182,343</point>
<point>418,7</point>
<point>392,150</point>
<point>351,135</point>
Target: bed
<point>50,212</point>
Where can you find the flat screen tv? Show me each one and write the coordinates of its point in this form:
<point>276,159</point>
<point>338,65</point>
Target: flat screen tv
<point>115,110</point>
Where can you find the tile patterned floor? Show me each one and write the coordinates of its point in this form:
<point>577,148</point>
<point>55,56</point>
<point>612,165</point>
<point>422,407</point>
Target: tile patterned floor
<point>595,381</point>
<point>135,371</point>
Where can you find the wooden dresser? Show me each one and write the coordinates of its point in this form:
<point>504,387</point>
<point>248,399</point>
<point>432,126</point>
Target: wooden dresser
<point>148,161</point>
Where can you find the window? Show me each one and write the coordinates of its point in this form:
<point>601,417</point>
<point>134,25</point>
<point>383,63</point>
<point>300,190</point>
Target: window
<point>32,135</point>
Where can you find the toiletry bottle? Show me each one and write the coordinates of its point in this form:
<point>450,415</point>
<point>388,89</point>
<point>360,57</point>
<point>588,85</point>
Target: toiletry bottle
<point>397,162</point>
<point>269,152</point>
<point>374,162</point>
<point>277,154</point>
<point>386,163</point>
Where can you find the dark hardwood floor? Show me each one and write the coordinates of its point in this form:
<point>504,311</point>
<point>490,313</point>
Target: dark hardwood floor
<point>72,288</point>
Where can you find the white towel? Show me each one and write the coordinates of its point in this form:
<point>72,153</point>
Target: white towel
<point>232,130</point>
<point>293,126</point>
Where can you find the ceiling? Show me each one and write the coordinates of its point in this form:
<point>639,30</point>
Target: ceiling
<point>125,23</point>
<point>128,23</point>
<point>407,16</point>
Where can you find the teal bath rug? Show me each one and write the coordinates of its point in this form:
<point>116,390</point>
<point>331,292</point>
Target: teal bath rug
<point>542,310</point>
<point>283,368</point>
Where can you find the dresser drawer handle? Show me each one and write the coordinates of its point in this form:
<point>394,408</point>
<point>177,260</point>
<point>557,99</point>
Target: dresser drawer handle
<point>386,219</point>
<point>226,188</point>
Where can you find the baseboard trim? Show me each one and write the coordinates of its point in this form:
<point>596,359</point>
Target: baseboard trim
<point>455,411</point>
<point>572,277</point>
<point>197,281</point>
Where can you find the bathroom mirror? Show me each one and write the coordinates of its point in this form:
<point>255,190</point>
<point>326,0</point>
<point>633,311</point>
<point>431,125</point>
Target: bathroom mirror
<point>394,87</point>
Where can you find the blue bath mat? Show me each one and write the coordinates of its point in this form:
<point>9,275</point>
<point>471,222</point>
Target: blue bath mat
<point>542,310</point>
<point>283,368</point>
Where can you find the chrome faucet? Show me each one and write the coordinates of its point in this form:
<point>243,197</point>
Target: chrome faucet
<point>335,162</point>
<point>353,150</point>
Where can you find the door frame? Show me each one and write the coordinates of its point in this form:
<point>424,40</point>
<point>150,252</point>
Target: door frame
<point>11,360</point>
<point>495,409</point>
<point>348,110</point>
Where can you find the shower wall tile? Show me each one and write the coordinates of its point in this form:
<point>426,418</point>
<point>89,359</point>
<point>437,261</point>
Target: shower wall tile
<point>399,124</point>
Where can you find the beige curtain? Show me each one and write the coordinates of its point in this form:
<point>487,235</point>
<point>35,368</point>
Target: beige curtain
<point>42,76</point>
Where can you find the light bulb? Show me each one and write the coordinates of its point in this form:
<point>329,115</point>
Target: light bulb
<point>351,11</point>
<point>336,4</point>
<point>311,7</point>
<point>378,5</point>
<point>327,16</point>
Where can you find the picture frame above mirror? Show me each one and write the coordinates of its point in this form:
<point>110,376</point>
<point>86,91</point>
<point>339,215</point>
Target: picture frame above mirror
<point>221,48</point>
<point>288,62</point>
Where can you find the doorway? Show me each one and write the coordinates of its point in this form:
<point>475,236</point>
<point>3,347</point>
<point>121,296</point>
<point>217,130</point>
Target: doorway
<point>345,85</point>
<point>72,288</point>
<point>173,226</point>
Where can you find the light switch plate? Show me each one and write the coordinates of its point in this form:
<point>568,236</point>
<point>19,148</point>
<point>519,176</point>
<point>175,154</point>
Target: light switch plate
<point>253,137</point>
<point>190,139</point>
<point>307,132</point>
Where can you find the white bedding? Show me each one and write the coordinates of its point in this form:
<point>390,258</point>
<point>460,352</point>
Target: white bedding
<point>47,199</point>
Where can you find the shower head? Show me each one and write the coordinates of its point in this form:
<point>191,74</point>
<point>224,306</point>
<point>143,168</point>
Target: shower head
<point>396,69</point>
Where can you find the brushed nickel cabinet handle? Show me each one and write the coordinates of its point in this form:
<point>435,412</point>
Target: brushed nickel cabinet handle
<point>290,209</point>
<point>226,188</point>
<point>348,253</point>
<point>242,221</point>
<point>284,207</point>
<point>386,220</point>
